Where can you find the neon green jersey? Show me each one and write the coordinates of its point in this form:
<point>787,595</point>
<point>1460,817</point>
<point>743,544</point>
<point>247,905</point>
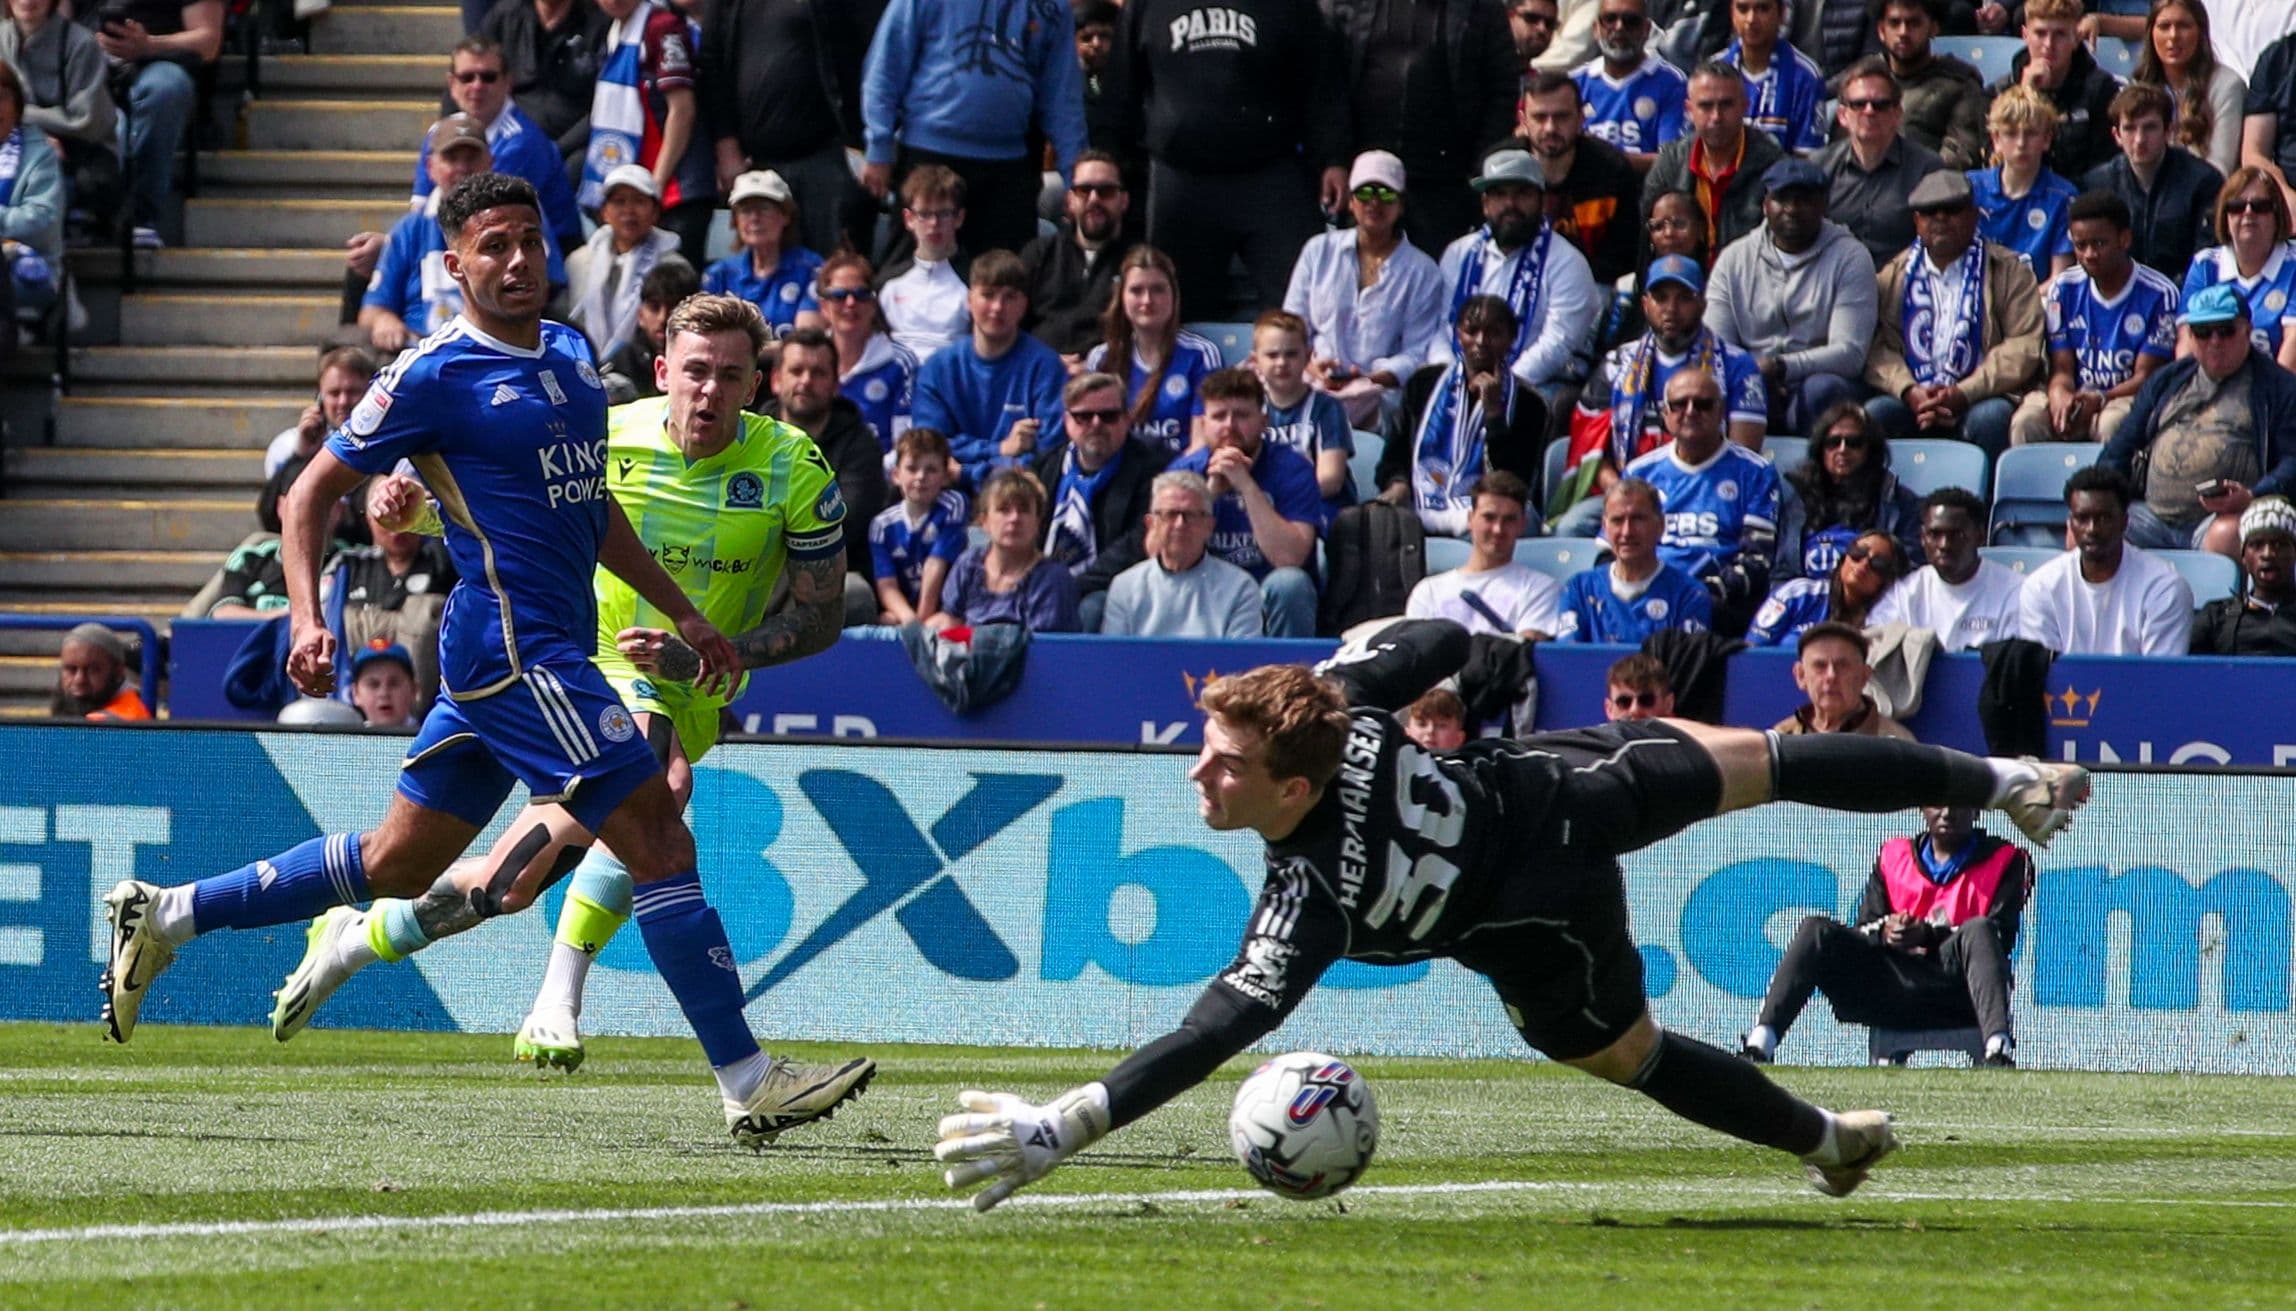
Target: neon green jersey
<point>721,527</point>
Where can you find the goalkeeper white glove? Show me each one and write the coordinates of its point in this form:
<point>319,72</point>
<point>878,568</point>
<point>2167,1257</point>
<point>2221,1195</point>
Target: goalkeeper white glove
<point>1009,1143</point>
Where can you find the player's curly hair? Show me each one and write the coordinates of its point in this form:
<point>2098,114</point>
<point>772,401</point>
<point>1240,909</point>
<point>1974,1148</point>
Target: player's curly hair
<point>708,315</point>
<point>1301,718</point>
<point>479,193</point>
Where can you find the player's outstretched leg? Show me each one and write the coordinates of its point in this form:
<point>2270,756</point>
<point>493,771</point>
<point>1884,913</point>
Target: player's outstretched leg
<point>762,1096</point>
<point>150,922</point>
<point>1708,1086</point>
<point>597,906</point>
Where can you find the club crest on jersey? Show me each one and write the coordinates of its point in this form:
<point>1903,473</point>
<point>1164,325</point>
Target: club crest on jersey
<point>1655,607</point>
<point>588,375</point>
<point>2134,325</point>
<point>550,387</point>
<point>616,724</point>
<point>789,293</point>
<point>369,414</point>
<point>744,491</point>
<point>1175,386</point>
<point>1726,489</point>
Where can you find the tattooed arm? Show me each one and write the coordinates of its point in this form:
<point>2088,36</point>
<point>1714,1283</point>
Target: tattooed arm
<point>806,625</point>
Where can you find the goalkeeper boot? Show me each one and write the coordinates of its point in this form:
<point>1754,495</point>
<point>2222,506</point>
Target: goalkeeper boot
<point>1861,1139</point>
<point>552,1040</point>
<point>2044,806</point>
<point>325,967</point>
<point>138,955</point>
<point>791,1094</point>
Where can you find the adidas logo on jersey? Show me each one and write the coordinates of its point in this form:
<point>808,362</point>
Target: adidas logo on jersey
<point>505,394</point>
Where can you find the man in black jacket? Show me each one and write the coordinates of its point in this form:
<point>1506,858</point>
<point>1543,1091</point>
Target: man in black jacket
<point>2171,192</point>
<point>1098,482</point>
<point>2261,622</point>
<point>1072,272</point>
<point>1242,112</point>
<point>1432,82</point>
<point>552,50</point>
<point>2056,64</point>
<point>780,84</point>
<point>805,397</point>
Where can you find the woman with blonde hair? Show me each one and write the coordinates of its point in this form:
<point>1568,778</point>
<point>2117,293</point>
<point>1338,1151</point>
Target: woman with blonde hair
<point>2021,202</point>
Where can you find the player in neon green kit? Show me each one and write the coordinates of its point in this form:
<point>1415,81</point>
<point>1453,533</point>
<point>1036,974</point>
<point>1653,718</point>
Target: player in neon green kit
<point>728,503</point>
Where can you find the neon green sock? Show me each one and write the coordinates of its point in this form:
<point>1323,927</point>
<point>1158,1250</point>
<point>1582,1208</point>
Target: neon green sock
<point>587,926</point>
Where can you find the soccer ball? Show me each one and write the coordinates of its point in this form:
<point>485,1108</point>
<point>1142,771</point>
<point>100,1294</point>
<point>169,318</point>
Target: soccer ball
<point>1304,1125</point>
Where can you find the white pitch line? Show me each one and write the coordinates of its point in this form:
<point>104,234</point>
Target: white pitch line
<point>1047,1201</point>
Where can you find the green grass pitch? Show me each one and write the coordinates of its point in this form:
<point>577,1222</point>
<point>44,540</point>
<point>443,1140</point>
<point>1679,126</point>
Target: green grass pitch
<point>419,1171</point>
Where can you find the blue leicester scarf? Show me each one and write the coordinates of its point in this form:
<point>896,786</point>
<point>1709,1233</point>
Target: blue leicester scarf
<point>1522,289</point>
<point>1918,319</point>
<point>1072,539</point>
<point>1448,455</point>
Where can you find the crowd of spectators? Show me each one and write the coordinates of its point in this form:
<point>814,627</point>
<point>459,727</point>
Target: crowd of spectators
<point>982,233</point>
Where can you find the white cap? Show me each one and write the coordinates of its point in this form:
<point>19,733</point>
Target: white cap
<point>1376,166</point>
<point>637,177</point>
<point>761,184</point>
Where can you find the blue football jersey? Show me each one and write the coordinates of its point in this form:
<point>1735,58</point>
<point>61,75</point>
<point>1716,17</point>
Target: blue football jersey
<point>1289,481</point>
<point>1593,611</point>
<point>512,444</point>
<point>1784,100</point>
<point>1794,605</point>
<point>2037,225</point>
<point>2107,336</point>
<point>2271,294</point>
<point>885,391</point>
<point>780,296</point>
<point>1641,113</point>
<point>1318,423</point>
<point>1744,394</point>
<point>1709,507</point>
<point>898,550</point>
<point>1167,427</point>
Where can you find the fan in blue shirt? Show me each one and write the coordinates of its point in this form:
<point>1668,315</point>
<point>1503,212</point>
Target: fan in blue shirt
<point>411,295</point>
<point>1639,109</point>
<point>1266,510</point>
<point>766,270</point>
<point>2021,203</point>
<point>519,145</point>
<point>997,395</point>
<point>1637,593</point>
<point>1783,98</point>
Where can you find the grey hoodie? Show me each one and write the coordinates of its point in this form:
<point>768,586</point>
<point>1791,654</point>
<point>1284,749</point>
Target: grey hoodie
<point>1818,314</point>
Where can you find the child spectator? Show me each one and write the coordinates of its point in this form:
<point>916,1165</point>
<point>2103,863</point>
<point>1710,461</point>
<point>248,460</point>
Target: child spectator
<point>1161,363</point>
<point>383,685</point>
<point>1010,580</point>
<point>914,541</point>
<point>1437,720</point>
<point>923,295</point>
<point>644,115</point>
<point>1308,419</point>
<point>607,277</point>
<point>879,374</point>
<point>2021,202</point>
<point>629,370</point>
<point>770,271</point>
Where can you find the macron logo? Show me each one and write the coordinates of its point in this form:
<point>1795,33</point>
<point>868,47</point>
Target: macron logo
<point>505,394</point>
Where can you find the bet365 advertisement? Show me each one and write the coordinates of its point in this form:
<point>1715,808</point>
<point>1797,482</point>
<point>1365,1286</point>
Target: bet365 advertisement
<point>1075,899</point>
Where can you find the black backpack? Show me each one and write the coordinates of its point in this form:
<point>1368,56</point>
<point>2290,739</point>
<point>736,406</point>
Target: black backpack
<point>1374,555</point>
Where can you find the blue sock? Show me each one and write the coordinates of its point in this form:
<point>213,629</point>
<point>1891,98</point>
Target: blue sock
<point>294,885</point>
<point>689,947</point>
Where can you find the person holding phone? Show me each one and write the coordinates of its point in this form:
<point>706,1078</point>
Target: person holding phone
<point>165,42</point>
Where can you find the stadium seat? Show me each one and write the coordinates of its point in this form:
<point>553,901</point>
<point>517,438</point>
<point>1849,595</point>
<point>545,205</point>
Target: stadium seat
<point>2212,577</point>
<point>1233,339</point>
<point>1989,55</point>
<point>2023,559</point>
<point>1448,553</point>
<point>2116,56</point>
<point>1786,452</point>
<point>2029,491</point>
<point>1363,466</point>
<point>1556,557</point>
<point>1925,464</point>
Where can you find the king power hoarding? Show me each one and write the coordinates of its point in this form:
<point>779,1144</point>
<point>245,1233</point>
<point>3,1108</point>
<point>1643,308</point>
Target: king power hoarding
<point>1075,899</point>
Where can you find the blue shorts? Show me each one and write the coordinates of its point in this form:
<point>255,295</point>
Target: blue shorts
<point>559,729</point>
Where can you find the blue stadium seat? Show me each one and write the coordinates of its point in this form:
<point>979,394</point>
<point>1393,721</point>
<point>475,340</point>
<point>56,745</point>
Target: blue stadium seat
<point>2212,577</point>
<point>2125,8</point>
<point>1925,464</point>
<point>1233,339</point>
<point>2023,559</point>
<point>1363,466</point>
<point>1447,553</point>
<point>2116,56</point>
<point>1989,55</point>
<point>1557,557</point>
<point>1786,452</point>
<point>2029,491</point>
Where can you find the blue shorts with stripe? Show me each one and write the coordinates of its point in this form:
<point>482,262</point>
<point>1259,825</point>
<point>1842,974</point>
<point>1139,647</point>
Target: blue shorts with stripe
<point>558,728</point>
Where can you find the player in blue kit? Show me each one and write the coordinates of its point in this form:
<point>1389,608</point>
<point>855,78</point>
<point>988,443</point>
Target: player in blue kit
<point>504,419</point>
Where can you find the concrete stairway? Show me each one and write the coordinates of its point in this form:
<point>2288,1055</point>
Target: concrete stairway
<point>157,455</point>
